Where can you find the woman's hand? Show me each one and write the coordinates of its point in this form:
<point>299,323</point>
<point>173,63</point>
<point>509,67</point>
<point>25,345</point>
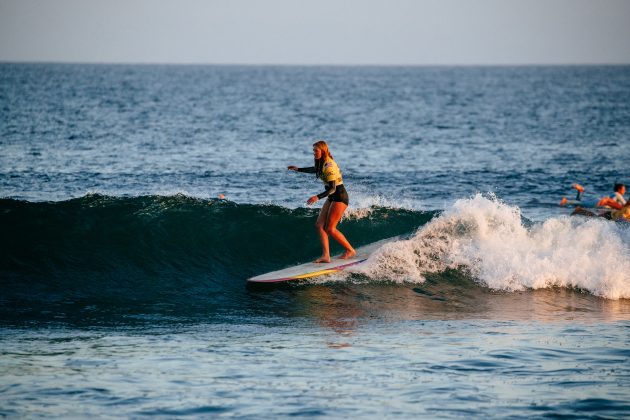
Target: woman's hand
<point>312,200</point>
<point>292,168</point>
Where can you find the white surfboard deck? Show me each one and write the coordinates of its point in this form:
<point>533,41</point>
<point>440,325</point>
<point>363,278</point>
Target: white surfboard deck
<point>309,270</point>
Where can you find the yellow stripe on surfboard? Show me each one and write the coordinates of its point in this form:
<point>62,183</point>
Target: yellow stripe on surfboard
<point>316,273</point>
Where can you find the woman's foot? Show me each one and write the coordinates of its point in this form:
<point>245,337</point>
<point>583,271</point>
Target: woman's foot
<point>322,260</point>
<point>348,254</point>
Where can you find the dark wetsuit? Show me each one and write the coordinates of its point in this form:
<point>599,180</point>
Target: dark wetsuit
<point>335,191</point>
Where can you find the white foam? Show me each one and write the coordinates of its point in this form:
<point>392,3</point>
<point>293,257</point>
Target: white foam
<point>363,205</point>
<point>487,238</point>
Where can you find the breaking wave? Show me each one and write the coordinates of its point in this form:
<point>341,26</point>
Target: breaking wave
<point>493,243</point>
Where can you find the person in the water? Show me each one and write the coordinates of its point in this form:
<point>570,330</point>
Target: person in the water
<point>327,170</point>
<point>620,215</point>
<point>618,197</point>
<point>615,201</point>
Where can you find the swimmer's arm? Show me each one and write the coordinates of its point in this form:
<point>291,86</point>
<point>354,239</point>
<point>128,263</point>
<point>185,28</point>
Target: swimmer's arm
<point>331,187</point>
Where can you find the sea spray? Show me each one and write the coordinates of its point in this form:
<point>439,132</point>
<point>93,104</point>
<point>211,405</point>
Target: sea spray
<point>364,204</point>
<point>488,239</point>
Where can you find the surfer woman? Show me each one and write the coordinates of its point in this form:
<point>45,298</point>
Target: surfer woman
<point>327,170</point>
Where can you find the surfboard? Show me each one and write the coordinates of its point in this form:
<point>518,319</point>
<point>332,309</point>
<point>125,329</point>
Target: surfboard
<point>310,270</point>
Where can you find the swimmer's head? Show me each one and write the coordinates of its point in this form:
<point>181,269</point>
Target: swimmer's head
<point>620,188</point>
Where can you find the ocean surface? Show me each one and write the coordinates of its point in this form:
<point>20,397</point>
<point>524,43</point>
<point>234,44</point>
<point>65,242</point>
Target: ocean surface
<point>123,274</point>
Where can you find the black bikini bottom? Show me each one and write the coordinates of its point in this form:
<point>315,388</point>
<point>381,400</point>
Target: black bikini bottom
<point>340,195</point>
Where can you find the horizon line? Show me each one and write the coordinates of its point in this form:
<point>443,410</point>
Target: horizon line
<point>249,64</point>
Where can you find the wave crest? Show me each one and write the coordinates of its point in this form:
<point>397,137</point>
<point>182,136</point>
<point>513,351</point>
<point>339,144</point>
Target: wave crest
<point>491,241</point>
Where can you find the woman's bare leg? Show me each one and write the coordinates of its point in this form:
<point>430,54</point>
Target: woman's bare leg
<point>320,226</point>
<point>334,215</point>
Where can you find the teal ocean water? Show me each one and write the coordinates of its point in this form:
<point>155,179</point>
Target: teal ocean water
<point>123,275</point>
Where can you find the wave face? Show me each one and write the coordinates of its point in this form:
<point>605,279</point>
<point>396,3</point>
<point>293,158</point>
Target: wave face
<point>173,249</point>
<point>179,256</point>
<point>489,240</point>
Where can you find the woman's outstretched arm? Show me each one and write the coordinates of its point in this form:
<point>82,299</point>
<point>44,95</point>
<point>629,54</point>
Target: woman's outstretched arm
<point>309,170</point>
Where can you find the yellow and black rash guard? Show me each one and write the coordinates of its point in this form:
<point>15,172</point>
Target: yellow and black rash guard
<point>331,175</point>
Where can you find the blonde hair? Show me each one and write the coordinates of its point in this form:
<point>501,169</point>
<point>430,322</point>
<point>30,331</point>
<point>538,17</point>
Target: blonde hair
<point>319,163</point>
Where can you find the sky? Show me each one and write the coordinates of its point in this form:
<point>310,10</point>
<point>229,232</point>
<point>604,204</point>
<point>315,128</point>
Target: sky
<point>312,32</point>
